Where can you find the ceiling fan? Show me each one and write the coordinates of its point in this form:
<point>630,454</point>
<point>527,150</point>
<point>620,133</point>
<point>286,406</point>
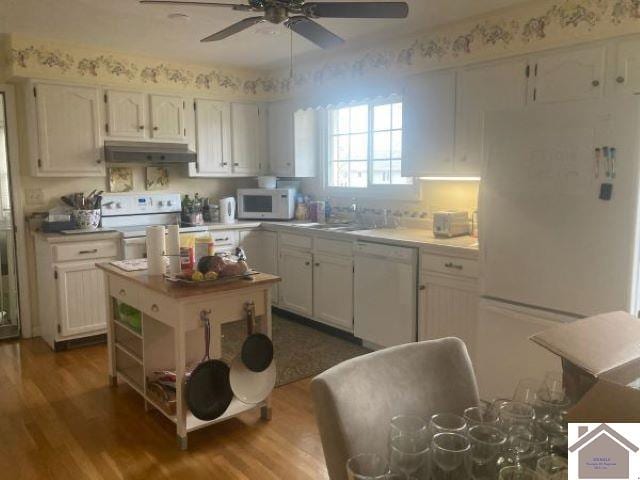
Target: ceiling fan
<point>298,16</point>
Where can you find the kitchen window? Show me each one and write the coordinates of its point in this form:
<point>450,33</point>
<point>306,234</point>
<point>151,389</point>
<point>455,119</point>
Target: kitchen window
<point>365,146</point>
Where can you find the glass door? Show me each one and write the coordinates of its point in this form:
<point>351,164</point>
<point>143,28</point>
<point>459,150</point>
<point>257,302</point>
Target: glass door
<point>9,305</point>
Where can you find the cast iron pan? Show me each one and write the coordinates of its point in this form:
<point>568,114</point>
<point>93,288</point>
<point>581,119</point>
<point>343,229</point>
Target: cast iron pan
<point>257,349</point>
<point>208,389</point>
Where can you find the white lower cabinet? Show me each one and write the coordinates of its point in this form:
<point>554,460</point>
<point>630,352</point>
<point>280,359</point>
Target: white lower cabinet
<point>296,289</point>
<point>333,290</point>
<point>71,290</point>
<point>448,308</point>
<point>261,248</point>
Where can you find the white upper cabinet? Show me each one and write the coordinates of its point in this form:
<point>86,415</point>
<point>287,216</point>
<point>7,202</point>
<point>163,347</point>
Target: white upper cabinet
<point>429,122</point>
<point>245,125</point>
<point>497,86</point>
<point>168,118</point>
<point>213,138</point>
<point>568,75</point>
<point>627,67</point>
<point>126,114</point>
<point>67,121</point>
<point>292,140</point>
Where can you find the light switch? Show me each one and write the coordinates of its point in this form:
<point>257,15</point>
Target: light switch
<point>34,196</point>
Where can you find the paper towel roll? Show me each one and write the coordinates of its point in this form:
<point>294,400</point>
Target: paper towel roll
<point>155,250</point>
<point>173,248</point>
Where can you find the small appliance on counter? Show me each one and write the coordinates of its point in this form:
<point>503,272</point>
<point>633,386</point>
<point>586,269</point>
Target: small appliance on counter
<point>266,203</point>
<point>228,210</point>
<point>451,224</point>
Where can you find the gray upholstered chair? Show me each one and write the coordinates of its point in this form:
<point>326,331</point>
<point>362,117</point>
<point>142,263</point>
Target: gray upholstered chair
<point>355,400</point>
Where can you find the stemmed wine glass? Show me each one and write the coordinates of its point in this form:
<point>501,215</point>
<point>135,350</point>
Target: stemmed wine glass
<point>552,467</point>
<point>480,415</point>
<point>447,423</point>
<point>408,454</point>
<point>487,443</point>
<point>367,466</point>
<point>451,457</point>
<point>517,473</point>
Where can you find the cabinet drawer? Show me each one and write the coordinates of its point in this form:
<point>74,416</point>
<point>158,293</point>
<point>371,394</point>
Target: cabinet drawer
<point>158,306</point>
<point>124,291</point>
<point>295,241</point>
<point>82,251</point>
<point>463,267</point>
<point>334,247</point>
<point>224,237</point>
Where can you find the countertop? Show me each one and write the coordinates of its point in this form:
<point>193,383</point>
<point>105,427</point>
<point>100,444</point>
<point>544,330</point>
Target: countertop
<point>465,246</point>
<point>159,284</point>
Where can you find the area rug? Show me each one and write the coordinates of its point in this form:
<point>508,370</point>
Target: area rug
<point>300,351</point>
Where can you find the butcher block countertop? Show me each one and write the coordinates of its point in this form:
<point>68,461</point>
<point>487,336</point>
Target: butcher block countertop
<point>159,284</point>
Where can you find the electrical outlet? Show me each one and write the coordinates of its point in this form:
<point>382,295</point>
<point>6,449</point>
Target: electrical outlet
<point>34,196</point>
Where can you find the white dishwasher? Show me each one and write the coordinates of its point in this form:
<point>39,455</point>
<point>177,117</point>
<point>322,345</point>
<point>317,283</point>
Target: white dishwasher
<point>385,294</point>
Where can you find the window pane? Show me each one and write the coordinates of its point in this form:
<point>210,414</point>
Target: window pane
<point>382,117</point>
<point>343,147</point>
<point>396,115</point>
<point>381,172</point>
<point>381,145</point>
<point>358,174</point>
<point>359,146</point>
<point>360,119</point>
<point>339,174</point>
<point>396,176</point>
<point>396,144</point>
<point>342,125</point>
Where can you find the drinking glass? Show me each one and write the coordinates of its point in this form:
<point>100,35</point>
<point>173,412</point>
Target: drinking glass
<point>517,473</point>
<point>529,445</point>
<point>408,454</point>
<point>450,457</point>
<point>367,466</point>
<point>552,467</point>
<point>487,443</point>
<point>515,414</point>
<point>447,423</point>
<point>409,425</point>
<point>527,391</point>
<point>480,415</point>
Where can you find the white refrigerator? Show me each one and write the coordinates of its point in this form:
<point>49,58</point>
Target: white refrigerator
<point>551,249</point>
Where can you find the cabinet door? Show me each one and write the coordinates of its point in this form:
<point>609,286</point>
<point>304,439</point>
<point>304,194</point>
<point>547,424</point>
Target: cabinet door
<point>572,75</point>
<point>333,290</point>
<point>627,76</point>
<point>167,118</point>
<point>81,298</point>
<point>428,120</point>
<point>296,288</point>
<point>213,137</point>
<point>68,126</point>
<point>280,130</point>
<point>482,89</point>
<point>305,146</point>
<point>261,249</point>
<point>448,308</point>
<point>126,117</point>
<point>244,127</point>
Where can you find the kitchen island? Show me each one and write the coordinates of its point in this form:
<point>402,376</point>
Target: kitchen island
<point>170,333</point>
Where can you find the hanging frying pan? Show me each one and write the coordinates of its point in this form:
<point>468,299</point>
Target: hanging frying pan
<point>257,349</point>
<point>251,387</point>
<point>208,389</point>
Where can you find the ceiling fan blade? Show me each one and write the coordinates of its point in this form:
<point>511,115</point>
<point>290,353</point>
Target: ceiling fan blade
<point>314,32</point>
<point>356,9</point>
<point>233,29</point>
<point>236,6</point>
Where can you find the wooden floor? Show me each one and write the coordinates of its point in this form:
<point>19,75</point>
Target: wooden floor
<point>60,420</point>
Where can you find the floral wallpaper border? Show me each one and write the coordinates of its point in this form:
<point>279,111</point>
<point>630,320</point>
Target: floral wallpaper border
<point>500,32</point>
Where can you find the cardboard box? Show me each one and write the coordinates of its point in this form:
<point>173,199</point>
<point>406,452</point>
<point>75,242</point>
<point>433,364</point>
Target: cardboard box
<point>602,351</point>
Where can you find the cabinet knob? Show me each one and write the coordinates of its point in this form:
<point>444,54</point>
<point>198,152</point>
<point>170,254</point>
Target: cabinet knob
<point>99,161</point>
<point>317,264</point>
<point>422,287</point>
<point>224,164</point>
<point>141,127</point>
<point>236,164</point>
<point>620,79</point>
<point>288,164</point>
<point>156,128</point>
<point>453,265</point>
<point>155,308</point>
<point>307,263</point>
<point>596,83</point>
<point>122,292</point>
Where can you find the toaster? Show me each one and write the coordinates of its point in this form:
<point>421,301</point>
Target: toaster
<point>451,224</point>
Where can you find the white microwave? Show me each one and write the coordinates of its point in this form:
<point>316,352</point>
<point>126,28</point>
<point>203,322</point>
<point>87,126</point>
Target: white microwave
<point>264,203</point>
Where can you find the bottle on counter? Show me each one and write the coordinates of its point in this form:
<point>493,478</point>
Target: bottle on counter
<point>302,211</point>
<point>204,246</point>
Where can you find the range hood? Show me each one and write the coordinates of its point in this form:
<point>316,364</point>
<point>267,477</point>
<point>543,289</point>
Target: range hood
<point>148,153</point>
